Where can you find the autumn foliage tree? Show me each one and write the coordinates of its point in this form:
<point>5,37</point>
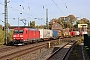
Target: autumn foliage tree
<point>82,21</point>
<point>66,22</point>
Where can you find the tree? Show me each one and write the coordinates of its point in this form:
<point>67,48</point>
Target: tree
<point>1,27</point>
<point>52,21</point>
<point>71,20</point>
<point>60,20</point>
<point>1,36</point>
<point>63,21</point>
<point>32,24</point>
<point>66,22</point>
<point>82,21</point>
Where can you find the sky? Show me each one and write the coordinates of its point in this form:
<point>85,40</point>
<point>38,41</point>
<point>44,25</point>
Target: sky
<point>32,9</point>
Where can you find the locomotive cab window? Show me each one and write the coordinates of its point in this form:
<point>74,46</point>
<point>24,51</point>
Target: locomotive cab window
<point>18,31</point>
<point>21,31</point>
<point>15,31</point>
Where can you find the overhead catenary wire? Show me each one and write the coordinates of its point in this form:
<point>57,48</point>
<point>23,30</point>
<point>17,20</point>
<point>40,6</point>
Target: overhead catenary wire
<point>16,9</point>
<point>58,7</point>
<point>43,6</point>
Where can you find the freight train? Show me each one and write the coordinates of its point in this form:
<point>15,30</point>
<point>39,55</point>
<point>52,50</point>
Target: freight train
<point>23,36</point>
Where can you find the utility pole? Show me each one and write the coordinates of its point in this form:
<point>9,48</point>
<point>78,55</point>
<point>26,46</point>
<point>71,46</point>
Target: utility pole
<point>46,18</point>
<point>6,21</point>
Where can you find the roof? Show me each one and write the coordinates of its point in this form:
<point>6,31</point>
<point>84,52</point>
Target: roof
<point>56,26</point>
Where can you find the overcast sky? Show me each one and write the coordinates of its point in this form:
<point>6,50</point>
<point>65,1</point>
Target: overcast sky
<point>31,9</point>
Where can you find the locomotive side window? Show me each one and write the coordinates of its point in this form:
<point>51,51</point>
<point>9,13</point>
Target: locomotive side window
<point>15,31</point>
<point>18,31</point>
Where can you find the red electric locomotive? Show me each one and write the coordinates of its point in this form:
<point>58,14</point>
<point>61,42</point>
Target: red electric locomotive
<point>22,36</point>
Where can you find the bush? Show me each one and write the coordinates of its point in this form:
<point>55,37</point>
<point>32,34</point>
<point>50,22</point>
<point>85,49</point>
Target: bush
<point>79,40</point>
<point>9,36</point>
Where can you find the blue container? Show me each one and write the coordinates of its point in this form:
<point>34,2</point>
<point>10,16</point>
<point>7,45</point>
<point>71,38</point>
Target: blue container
<point>55,34</point>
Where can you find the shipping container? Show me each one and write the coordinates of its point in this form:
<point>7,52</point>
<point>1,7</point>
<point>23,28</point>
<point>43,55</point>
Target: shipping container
<point>84,32</point>
<point>72,33</point>
<point>77,33</point>
<point>55,34</point>
<point>45,34</point>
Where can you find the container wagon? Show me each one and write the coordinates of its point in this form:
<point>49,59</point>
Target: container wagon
<point>45,34</point>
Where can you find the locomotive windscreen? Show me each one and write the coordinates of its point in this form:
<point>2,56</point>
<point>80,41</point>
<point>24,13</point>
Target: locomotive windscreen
<point>18,31</point>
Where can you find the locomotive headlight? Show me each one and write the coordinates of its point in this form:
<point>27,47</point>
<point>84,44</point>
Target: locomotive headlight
<point>14,35</point>
<point>21,35</point>
<point>13,38</point>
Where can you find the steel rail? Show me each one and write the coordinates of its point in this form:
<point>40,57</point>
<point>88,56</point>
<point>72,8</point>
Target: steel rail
<point>58,51</point>
<point>65,56</point>
<point>37,47</point>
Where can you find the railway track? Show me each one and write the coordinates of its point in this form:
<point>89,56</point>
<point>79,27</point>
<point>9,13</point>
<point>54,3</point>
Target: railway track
<point>6,48</point>
<point>21,52</point>
<point>62,53</point>
<point>16,53</point>
<point>13,51</point>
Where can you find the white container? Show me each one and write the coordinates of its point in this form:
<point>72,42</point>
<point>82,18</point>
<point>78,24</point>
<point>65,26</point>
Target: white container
<point>77,33</point>
<point>45,33</point>
<point>84,32</point>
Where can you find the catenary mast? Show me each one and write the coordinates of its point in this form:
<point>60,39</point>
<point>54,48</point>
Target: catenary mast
<point>5,21</point>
